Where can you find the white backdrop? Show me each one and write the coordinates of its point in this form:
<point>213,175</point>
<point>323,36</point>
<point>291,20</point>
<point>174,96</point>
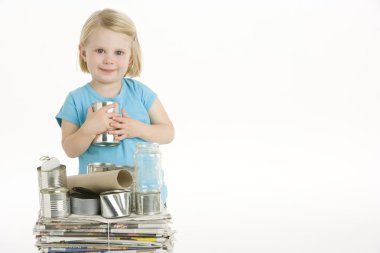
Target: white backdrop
<point>275,104</point>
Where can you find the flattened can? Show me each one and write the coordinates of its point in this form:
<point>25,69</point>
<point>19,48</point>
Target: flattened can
<point>55,202</point>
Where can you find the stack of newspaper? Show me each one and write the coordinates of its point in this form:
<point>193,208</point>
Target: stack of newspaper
<point>79,233</point>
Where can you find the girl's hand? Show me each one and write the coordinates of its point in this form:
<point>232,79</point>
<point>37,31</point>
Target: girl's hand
<point>125,126</point>
<point>100,121</point>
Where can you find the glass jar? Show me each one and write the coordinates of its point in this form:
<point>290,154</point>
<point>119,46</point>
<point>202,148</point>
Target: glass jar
<point>147,173</point>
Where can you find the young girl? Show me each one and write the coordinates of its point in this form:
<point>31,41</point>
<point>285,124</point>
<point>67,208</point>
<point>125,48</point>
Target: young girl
<point>109,50</point>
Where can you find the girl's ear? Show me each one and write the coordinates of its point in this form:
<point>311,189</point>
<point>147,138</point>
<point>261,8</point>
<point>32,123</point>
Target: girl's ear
<point>82,53</point>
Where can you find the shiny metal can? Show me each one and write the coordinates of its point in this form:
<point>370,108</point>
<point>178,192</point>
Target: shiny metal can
<point>54,178</point>
<point>98,167</point>
<point>123,167</point>
<point>55,202</point>
<point>84,205</point>
<point>105,139</point>
<point>115,203</point>
<point>147,203</point>
<point>131,170</point>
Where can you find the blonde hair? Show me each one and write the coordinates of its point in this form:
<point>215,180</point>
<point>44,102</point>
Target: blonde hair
<point>117,22</point>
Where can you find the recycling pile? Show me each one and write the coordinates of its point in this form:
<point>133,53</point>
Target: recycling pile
<point>79,233</point>
<point>70,219</point>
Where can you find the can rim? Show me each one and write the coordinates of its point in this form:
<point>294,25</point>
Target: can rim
<point>114,191</point>
<point>100,164</point>
<point>62,166</point>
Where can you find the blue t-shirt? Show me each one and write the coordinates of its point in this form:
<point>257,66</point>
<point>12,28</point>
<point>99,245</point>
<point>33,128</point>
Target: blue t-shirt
<point>134,97</point>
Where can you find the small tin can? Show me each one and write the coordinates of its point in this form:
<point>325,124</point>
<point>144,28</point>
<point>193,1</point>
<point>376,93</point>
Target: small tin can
<point>54,178</point>
<point>105,139</point>
<point>98,167</point>
<point>115,203</point>
<point>84,205</point>
<point>131,170</point>
<point>123,167</point>
<point>147,203</point>
<point>55,202</point>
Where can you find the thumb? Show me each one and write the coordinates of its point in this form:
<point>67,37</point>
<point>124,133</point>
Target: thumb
<point>124,113</point>
<point>89,110</point>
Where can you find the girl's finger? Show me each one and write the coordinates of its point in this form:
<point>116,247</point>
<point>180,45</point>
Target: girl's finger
<point>116,132</point>
<point>113,115</point>
<point>124,113</point>
<point>120,137</point>
<point>118,119</point>
<point>115,124</point>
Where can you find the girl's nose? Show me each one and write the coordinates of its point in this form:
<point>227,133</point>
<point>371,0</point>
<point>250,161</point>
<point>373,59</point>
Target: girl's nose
<point>108,59</point>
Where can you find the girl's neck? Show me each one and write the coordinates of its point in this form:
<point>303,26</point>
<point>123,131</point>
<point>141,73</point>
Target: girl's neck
<point>107,90</point>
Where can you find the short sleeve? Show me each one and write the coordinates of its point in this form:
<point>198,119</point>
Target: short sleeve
<point>148,96</point>
<point>68,111</point>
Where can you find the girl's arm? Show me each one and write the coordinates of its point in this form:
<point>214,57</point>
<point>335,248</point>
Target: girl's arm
<point>161,129</point>
<point>76,140</point>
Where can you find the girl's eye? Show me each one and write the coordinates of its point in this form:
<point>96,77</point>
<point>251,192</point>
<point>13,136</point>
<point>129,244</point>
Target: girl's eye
<point>119,52</point>
<point>100,51</point>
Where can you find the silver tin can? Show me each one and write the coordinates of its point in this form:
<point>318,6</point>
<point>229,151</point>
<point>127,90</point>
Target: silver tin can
<point>148,203</point>
<point>131,170</point>
<point>54,178</point>
<point>105,139</point>
<point>55,202</point>
<point>84,205</point>
<point>115,203</point>
<point>98,167</point>
<point>123,167</point>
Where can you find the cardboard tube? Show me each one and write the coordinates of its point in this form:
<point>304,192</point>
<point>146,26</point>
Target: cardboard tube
<point>101,181</point>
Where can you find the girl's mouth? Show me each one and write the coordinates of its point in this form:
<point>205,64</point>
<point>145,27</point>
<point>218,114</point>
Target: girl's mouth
<point>107,70</point>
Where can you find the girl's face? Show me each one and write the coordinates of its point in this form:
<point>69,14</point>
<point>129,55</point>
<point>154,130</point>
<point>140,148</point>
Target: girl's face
<point>107,54</point>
